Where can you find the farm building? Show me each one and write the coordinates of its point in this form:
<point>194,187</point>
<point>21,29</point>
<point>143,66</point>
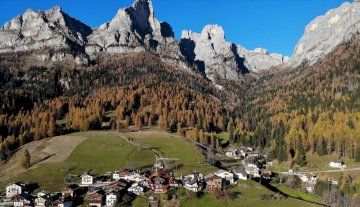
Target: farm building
<point>15,189</point>
<point>193,182</point>
<point>87,179</point>
<point>337,164</point>
<point>226,175</point>
<point>239,172</point>
<point>214,182</point>
<point>96,198</point>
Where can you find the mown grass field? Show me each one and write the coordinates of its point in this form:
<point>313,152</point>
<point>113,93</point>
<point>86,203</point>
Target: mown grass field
<point>295,193</point>
<point>315,163</point>
<point>100,153</point>
<point>251,191</point>
<point>190,159</point>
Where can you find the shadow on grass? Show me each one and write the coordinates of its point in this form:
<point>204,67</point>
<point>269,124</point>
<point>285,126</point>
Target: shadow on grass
<point>266,183</point>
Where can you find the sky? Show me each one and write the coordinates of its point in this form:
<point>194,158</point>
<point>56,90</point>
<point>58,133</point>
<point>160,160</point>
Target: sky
<point>276,25</point>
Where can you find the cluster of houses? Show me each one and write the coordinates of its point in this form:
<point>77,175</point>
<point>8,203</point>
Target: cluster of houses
<point>309,180</point>
<point>252,166</point>
<point>18,194</point>
<point>253,163</point>
<point>109,189</point>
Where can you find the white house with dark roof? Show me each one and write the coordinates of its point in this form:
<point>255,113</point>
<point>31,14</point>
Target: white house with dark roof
<point>112,198</point>
<point>239,172</point>
<point>87,179</point>
<point>137,189</point>
<point>253,171</point>
<point>307,178</point>
<point>233,153</point>
<point>226,175</point>
<point>337,164</point>
<point>194,182</point>
<point>42,201</point>
<point>20,200</point>
<point>14,189</point>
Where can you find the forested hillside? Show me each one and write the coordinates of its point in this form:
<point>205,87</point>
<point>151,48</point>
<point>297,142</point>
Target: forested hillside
<point>289,112</point>
<point>117,91</point>
<point>307,109</point>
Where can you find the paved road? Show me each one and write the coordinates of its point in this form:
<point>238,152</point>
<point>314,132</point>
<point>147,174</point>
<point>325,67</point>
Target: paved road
<point>323,171</point>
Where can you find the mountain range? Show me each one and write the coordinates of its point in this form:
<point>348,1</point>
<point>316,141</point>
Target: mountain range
<point>58,75</point>
<point>133,29</point>
<point>136,29</point>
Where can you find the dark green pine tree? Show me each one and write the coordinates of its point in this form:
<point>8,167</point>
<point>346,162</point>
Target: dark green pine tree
<point>301,159</point>
<point>231,133</point>
<point>280,147</point>
<point>357,155</point>
<point>2,153</point>
<point>321,150</point>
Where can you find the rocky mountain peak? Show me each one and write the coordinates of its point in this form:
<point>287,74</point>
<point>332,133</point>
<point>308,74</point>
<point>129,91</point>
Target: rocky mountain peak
<point>56,15</point>
<point>218,58</point>
<point>135,29</point>
<point>138,18</point>
<point>212,54</point>
<point>326,32</point>
<point>35,30</point>
<point>213,31</point>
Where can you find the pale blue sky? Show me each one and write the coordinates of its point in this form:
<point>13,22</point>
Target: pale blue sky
<point>273,24</point>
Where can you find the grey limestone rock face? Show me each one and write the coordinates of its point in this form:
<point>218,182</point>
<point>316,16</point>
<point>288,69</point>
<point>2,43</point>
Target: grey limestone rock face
<point>212,54</point>
<point>210,51</point>
<point>326,32</point>
<point>260,59</point>
<point>35,30</point>
<point>135,29</point>
<point>32,30</point>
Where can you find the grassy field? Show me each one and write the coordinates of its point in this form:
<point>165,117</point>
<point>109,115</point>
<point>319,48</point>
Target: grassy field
<point>251,191</point>
<point>103,152</point>
<point>296,194</point>
<point>315,163</point>
<point>140,201</point>
<point>100,153</point>
<point>190,159</point>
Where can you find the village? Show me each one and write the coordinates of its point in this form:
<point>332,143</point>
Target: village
<point>121,186</point>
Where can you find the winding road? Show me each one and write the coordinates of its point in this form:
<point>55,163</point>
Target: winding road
<point>321,171</point>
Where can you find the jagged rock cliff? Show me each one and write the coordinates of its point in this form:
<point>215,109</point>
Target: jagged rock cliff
<point>210,51</point>
<point>260,59</point>
<point>50,29</point>
<point>326,32</point>
<point>133,29</point>
<point>136,29</point>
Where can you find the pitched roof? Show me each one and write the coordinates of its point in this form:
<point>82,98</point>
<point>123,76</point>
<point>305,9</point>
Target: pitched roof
<point>238,170</point>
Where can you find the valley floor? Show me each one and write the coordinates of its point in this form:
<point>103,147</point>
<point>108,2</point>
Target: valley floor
<point>99,152</point>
